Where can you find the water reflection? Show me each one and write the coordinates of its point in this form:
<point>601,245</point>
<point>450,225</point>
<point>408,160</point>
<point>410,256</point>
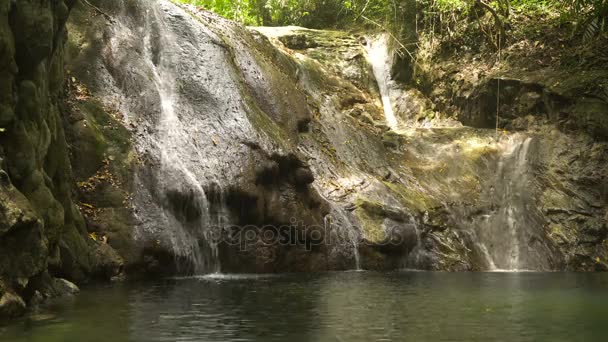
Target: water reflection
<point>351,306</point>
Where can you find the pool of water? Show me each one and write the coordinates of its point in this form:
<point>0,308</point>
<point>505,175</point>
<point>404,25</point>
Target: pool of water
<point>351,306</point>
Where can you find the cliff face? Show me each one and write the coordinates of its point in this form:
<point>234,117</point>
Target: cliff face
<point>554,90</point>
<point>240,132</point>
<point>191,144</point>
<point>42,231</point>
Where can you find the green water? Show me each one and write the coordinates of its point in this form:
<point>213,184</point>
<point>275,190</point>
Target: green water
<point>352,306</point>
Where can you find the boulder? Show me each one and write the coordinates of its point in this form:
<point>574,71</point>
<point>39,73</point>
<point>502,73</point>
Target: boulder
<point>62,287</point>
<point>11,305</point>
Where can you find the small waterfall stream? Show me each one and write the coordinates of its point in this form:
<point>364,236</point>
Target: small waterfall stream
<point>378,54</point>
<point>188,113</point>
<point>347,234</point>
<point>505,231</point>
<point>169,141</point>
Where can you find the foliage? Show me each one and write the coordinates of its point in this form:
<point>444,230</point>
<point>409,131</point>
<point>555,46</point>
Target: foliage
<point>239,10</point>
<point>309,13</point>
<point>589,17</point>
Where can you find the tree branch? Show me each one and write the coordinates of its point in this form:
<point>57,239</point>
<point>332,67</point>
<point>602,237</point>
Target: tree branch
<point>499,23</point>
<point>363,10</point>
<point>98,10</point>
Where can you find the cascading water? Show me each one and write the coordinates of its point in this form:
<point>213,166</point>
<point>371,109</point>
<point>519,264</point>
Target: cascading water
<point>348,233</point>
<point>169,134</point>
<point>357,254</point>
<point>504,233</point>
<point>378,54</point>
<point>178,90</point>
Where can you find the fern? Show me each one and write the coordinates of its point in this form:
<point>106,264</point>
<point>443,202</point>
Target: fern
<point>592,29</point>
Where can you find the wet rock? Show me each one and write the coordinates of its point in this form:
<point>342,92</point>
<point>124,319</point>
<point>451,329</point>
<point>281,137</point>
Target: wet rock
<point>267,172</point>
<point>185,205</point>
<point>391,139</point>
<point>252,162</point>
<point>304,125</point>
<point>592,115</point>
<point>34,22</point>
<point>298,42</point>
<point>20,226</point>
<point>303,176</point>
<point>36,300</point>
<point>401,238</point>
<point>11,305</point>
<point>108,263</point>
<point>62,287</point>
<point>382,126</point>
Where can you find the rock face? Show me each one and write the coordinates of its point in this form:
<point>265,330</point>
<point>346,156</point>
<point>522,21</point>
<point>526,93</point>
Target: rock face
<point>564,110</point>
<point>41,228</point>
<point>192,144</point>
<point>269,150</point>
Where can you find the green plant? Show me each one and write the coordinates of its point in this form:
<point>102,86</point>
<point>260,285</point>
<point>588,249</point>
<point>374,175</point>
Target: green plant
<point>590,17</point>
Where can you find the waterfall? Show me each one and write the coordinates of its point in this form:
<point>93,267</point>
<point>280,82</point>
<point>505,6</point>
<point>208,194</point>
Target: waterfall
<point>357,254</point>
<point>379,58</point>
<point>337,218</point>
<point>504,232</point>
<point>177,175</point>
<point>173,78</point>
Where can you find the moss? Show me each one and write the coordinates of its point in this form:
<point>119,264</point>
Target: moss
<point>552,198</point>
<point>561,234</point>
<point>371,215</point>
<point>265,125</point>
<point>75,255</point>
<point>371,225</point>
<point>97,137</point>
<point>412,198</point>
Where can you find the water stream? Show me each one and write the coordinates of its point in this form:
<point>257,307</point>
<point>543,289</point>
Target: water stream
<point>347,233</point>
<point>169,139</point>
<point>505,233</point>
<point>187,108</point>
<point>379,58</point>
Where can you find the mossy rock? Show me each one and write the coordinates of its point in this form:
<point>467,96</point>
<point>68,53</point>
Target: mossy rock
<point>34,22</point>
<point>75,252</point>
<point>592,115</point>
<point>371,225</point>
<point>413,199</point>
<point>372,216</point>
<point>11,305</point>
<point>391,139</point>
